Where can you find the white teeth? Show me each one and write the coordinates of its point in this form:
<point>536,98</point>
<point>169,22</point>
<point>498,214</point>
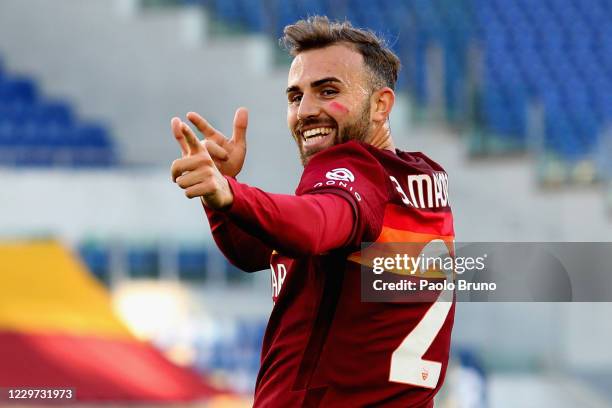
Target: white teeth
<point>313,140</point>
<point>318,131</point>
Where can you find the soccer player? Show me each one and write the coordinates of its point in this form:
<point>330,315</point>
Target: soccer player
<point>323,346</point>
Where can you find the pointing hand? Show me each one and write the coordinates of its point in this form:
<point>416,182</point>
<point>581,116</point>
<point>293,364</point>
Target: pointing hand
<point>196,172</point>
<point>228,154</point>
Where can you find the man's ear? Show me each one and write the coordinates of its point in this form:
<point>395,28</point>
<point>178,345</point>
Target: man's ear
<point>382,101</point>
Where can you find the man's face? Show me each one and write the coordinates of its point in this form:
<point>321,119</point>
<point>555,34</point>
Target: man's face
<point>329,99</point>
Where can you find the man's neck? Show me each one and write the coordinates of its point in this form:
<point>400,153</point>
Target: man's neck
<point>382,138</point>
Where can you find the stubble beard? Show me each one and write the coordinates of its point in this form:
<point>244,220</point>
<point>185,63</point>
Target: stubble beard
<point>357,130</point>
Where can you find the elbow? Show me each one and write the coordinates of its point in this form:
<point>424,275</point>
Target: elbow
<point>301,248</point>
<point>245,265</point>
<point>251,268</point>
<point>242,261</point>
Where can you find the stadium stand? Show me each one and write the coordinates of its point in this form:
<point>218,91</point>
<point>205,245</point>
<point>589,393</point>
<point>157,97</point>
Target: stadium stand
<point>36,131</point>
<point>554,55</point>
<point>230,352</point>
<point>60,328</point>
<point>544,53</point>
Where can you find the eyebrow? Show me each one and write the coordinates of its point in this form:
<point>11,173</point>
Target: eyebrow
<point>314,84</point>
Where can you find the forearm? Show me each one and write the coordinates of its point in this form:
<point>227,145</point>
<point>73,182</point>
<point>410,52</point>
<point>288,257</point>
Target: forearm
<point>239,247</point>
<point>294,225</point>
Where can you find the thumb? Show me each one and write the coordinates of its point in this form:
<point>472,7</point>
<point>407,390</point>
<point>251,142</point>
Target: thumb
<point>241,121</point>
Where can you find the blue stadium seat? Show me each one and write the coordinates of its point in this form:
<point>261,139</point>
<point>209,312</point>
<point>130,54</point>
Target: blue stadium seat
<point>91,146</point>
<point>97,259</point>
<point>228,11</point>
<point>143,262</point>
<point>8,134</point>
<point>56,137</point>
<point>15,113</point>
<point>192,263</point>
<point>92,135</point>
<point>55,113</point>
<point>254,16</point>
<point>18,90</point>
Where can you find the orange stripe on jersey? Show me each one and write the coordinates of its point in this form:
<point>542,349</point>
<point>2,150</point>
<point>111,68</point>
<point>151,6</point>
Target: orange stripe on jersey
<point>398,236</point>
<point>429,222</point>
<point>389,234</point>
<point>396,242</point>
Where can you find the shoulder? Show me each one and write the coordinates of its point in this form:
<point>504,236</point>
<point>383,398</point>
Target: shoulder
<point>420,161</point>
<point>348,165</point>
<point>350,161</point>
<point>352,150</point>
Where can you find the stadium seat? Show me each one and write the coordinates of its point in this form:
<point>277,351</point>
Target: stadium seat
<point>143,262</point>
<point>97,259</point>
<point>35,131</point>
<point>17,91</point>
<point>192,263</point>
<point>55,113</point>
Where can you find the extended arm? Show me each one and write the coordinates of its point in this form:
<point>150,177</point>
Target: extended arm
<point>243,250</point>
<point>294,225</point>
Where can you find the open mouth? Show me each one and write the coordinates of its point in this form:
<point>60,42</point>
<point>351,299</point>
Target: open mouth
<point>316,136</point>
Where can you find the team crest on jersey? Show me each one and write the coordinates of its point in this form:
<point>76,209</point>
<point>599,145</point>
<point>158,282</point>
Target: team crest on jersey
<point>340,174</point>
<point>424,374</point>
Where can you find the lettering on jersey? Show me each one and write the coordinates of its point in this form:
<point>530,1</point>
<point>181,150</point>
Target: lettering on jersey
<point>340,174</point>
<point>396,183</point>
<point>424,190</point>
<point>441,189</point>
<point>278,277</point>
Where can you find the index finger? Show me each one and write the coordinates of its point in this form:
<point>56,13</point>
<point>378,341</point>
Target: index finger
<point>192,139</point>
<point>177,129</point>
<point>206,128</point>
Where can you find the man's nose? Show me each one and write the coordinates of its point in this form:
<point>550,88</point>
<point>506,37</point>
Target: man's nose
<point>309,107</point>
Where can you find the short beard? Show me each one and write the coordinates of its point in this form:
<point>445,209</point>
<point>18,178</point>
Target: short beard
<point>358,130</point>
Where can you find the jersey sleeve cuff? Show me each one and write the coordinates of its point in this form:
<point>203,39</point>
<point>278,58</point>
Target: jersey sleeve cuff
<point>239,204</point>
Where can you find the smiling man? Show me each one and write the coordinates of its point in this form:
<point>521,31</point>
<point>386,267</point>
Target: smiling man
<point>323,346</point>
<point>340,98</point>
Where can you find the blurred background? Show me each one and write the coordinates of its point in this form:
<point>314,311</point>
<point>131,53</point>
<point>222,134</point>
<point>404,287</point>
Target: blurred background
<point>109,279</point>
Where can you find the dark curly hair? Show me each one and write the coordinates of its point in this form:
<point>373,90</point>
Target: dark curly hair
<point>318,32</point>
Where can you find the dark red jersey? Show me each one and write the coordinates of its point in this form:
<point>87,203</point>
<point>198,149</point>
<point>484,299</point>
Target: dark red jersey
<point>323,346</point>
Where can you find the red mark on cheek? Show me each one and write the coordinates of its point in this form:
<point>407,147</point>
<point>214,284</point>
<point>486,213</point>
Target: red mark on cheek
<point>338,107</point>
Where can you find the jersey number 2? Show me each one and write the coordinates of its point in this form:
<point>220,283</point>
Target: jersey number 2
<point>407,363</point>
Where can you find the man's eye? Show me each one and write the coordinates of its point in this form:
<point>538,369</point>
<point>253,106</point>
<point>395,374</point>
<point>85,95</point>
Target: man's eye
<point>295,98</point>
<point>329,92</point>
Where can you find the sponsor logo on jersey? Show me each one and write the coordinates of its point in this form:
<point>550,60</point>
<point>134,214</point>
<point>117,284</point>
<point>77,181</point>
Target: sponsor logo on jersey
<point>424,190</point>
<point>340,177</point>
<point>339,184</point>
<point>340,174</point>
